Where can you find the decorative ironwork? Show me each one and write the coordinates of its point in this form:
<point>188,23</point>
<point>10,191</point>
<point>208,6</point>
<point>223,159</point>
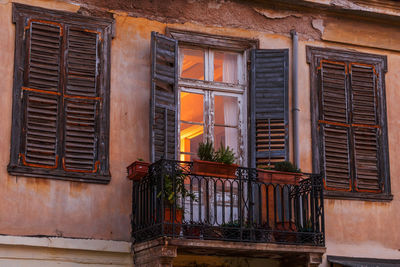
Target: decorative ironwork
<point>241,209</point>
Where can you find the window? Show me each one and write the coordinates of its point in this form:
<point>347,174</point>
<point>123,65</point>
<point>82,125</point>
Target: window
<point>61,95</point>
<point>349,122</point>
<point>221,88</point>
<point>216,110</point>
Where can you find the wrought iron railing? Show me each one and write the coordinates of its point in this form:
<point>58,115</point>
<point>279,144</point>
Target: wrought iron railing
<point>242,208</point>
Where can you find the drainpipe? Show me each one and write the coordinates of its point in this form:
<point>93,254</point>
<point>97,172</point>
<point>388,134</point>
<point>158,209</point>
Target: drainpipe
<point>295,104</point>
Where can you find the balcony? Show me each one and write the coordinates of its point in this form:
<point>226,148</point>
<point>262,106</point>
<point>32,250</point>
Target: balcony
<point>231,212</point>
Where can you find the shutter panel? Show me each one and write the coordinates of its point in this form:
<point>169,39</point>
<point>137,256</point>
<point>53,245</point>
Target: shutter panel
<point>44,56</point>
<point>41,95</point>
<point>82,101</point>
<point>269,107</point>
<point>366,128</point>
<point>163,113</point>
<point>333,125</point>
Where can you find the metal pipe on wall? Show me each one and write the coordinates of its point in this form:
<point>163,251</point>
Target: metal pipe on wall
<point>295,104</point>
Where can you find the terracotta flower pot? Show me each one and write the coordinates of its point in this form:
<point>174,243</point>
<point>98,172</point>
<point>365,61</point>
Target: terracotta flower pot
<point>278,177</point>
<point>169,219</point>
<point>210,168</point>
<point>138,170</point>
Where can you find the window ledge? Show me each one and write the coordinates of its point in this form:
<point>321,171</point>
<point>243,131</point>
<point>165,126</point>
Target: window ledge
<point>59,175</point>
<point>384,197</point>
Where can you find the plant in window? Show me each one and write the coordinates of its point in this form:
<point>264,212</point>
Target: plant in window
<point>211,163</point>
<point>173,190</point>
<point>286,166</point>
<point>206,151</point>
<point>225,155</point>
<point>283,172</point>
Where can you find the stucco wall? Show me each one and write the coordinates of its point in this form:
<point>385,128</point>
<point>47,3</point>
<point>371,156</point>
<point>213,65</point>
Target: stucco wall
<point>47,207</point>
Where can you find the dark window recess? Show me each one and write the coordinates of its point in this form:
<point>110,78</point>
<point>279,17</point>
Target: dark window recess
<point>268,131</point>
<point>349,122</point>
<point>61,95</point>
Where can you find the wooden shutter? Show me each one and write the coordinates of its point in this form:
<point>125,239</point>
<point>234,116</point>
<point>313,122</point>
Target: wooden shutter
<point>81,101</point>
<point>41,94</point>
<point>334,125</point>
<point>163,106</point>
<point>268,135</point>
<point>365,128</point>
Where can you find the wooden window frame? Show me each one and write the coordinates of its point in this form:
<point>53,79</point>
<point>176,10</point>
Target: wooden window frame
<point>103,26</point>
<point>379,62</point>
<point>209,88</point>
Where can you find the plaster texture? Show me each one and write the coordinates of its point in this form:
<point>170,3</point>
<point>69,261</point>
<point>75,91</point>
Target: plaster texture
<point>33,206</point>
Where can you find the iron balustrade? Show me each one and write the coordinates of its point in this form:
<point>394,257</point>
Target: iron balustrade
<point>242,208</point>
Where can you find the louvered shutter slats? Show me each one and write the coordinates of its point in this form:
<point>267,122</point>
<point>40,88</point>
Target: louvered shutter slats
<point>82,63</point>
<point>82,102</point>
<point>44,56</point>
<point>80,137</point>
<point>41,89</point>
<point>336,154</point>
<point>363,95</point>
<point>334,108</point>
<point>41,130</point>
<point>163,113</point>
<point>268,108</point>
<point>364,107</point>
<point>348,126</point>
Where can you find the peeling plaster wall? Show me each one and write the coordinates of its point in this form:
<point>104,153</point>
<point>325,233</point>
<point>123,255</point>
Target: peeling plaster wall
<point>57,208</point>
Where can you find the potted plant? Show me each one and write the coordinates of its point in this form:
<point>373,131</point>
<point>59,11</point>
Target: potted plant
<point>138,170</point>
<point>171,200</point>
<point>215,163</point>
<point>282,173</point>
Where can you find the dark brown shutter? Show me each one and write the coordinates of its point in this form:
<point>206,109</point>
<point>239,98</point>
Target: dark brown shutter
<point>41,95</point>
<point>365,127</point>
<point>81,101</point>
<point>163,106</point>
<point>268,137</point>
<point>334,125</point>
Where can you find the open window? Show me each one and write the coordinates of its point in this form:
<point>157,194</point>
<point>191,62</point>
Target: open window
<point>222,89</point>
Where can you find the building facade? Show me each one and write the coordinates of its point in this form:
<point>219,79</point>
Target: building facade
<point>91,86</point>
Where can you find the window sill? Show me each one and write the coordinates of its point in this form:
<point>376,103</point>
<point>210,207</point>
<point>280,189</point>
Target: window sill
<point>58,175</point>
<point>383,197</point>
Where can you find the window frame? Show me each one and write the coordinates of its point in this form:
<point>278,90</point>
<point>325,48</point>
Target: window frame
<point>104,26</point>
<point>314,56</point>
<point>210,43</point>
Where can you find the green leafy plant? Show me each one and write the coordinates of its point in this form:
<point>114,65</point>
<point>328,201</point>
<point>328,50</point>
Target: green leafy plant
<point>169,194</point>
<point>286,166</point>
<point>225,155</point>
<point>206,151</point>
<point>140,159</point>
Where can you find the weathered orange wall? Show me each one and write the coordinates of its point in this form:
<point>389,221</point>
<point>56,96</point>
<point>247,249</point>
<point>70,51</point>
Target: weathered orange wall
<point>48,207</point>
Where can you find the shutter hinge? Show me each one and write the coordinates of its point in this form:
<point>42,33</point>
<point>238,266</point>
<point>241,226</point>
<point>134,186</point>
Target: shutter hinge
<point>22,94</point>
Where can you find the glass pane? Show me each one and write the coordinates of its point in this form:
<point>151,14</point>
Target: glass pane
<point>192,63</point>
<point>191,135</point>
<point>226,110</point>
<point>227,136</point>
<point>191,107</point>
<point>226,67</point>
